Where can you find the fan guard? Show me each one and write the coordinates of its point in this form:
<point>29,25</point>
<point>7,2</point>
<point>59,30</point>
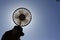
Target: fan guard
<point>22,17</point>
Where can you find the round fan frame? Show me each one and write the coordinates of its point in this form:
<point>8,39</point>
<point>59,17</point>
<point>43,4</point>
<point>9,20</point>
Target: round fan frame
<point>25,9</point>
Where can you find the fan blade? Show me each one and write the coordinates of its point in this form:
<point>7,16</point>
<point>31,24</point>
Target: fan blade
<point>25,21</point>
<point>16,17</point>
<point>19,22</point>
<point>27,14</point>
<point>21,11</point>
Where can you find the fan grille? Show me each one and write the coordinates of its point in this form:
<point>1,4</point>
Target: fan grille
<point>22,17</point>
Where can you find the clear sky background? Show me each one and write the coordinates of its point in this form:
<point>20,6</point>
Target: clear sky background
<point>45,24</point>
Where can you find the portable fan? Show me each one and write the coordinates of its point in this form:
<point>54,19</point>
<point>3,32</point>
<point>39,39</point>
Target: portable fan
<point>22,17</point>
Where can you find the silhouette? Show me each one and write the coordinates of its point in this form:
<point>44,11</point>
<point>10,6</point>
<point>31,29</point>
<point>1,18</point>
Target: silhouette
<point>13,34</point>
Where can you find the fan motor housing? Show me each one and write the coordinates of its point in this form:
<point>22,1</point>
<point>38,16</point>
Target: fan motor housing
<point>22,17</point>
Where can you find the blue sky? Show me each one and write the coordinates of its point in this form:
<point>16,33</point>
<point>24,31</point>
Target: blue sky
<point>45,24</point>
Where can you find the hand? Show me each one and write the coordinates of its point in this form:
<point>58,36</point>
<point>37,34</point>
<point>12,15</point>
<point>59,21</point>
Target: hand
<point>13,34</point>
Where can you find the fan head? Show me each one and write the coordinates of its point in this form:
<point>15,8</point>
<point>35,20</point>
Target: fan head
<point>22,17</point>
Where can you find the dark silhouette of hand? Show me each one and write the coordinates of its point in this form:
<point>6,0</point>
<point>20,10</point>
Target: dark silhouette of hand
<point>13,34</point>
